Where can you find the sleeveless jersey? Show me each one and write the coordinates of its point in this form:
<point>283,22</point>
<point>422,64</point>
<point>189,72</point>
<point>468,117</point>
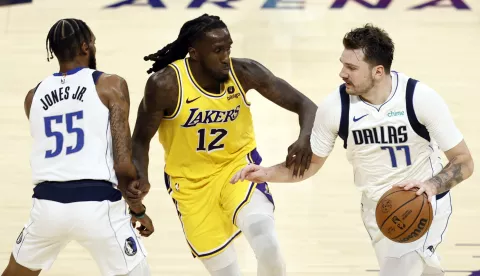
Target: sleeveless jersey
<point>387,144</point>
<point>207,131</point>
<point>70,129</point>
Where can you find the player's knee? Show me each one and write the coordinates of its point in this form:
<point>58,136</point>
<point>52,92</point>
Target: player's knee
<point>142,269</point>
<point>264,242</point>
<point>223,264</point>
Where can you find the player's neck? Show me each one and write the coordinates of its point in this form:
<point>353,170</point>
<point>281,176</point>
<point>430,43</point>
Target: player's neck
<point>380,92</point>
<point>204,79</point>
<point>70,65</point>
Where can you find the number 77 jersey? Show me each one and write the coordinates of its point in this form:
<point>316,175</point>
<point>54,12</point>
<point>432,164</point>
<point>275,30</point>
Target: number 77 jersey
<point>207,131</point>
<point>386,144</point>
<point>70,129</point>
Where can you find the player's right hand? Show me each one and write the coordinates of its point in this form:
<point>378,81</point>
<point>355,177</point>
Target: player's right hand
<point>146,225</point>
<point>138,189</point>
<point>251,172</point>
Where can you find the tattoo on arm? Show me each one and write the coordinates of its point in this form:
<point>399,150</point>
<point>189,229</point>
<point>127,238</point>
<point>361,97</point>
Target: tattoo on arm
<point>450,176</point>
<point>120,130</point>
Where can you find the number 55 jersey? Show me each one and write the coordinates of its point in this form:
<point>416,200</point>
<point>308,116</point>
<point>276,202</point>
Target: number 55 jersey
<point>70,129</point>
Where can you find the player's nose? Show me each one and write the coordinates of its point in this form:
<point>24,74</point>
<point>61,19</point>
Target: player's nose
<point>343,74</point>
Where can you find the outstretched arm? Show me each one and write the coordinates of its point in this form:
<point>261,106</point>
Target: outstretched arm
<point>253,75</point>
<point>276,174</point>
<point>161,94</point>
<point>324,133</point>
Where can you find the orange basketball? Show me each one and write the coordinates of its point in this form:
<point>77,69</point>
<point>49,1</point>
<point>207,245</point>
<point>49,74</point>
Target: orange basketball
<point>402,216</point>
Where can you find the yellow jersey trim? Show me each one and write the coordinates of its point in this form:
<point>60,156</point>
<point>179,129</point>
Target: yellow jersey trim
<point>237,82</point>
<point>180,92</point>
<point>199,88</point>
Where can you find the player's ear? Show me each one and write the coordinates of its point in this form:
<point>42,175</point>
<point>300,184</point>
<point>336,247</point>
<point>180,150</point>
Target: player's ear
<point>378,72</point>
<point>193,53</point>
<point>84,49</point>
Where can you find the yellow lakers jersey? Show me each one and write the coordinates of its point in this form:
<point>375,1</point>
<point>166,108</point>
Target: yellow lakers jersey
<point>207,131</point>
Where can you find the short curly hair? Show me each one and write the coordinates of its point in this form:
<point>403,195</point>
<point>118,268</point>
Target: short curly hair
<point>377,46</point>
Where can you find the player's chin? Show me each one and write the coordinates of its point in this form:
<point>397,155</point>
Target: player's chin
<point>222,76</point>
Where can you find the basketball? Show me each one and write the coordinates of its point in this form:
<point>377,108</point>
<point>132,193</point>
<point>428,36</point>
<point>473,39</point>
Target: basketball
<point>402,216</point>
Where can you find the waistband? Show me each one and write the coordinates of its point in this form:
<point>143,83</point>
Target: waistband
<point>77,191</point>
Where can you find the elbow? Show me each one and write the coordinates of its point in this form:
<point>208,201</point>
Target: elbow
<point>469,167</point>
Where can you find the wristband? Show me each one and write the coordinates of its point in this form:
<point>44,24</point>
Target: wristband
<point>138,215</point>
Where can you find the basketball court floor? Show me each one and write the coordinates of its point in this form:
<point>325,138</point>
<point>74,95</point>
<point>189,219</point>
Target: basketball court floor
<point>318,220</point>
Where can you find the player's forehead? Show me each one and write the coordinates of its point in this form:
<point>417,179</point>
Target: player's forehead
<point>353,56</point>
<point>218,37</point>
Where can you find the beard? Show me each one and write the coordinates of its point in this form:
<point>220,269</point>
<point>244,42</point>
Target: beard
<point>358,91</point>
<point>92,61</point>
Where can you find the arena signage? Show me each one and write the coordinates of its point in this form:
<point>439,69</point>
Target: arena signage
<point>297,4</point>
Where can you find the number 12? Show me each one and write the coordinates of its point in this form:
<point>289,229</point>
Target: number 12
<point>394,158</point>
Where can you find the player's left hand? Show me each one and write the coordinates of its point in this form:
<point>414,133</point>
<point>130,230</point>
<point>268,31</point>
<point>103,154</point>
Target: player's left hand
<point>423,187</point>
<point>299,155</point>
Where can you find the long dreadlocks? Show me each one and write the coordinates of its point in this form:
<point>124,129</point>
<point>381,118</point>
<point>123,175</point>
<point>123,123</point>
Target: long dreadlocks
<point>189,33</point>
<point>65,38</point>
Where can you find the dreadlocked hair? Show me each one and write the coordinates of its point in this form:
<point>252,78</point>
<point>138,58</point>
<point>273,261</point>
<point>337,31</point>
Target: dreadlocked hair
<point>189,33</point>
<point>65,38</point>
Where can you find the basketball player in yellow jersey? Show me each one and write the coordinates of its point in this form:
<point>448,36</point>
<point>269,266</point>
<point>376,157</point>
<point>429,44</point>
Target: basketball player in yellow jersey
<point>199,107</point>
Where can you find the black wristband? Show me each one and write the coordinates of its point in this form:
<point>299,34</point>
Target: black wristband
<point>138,215</point>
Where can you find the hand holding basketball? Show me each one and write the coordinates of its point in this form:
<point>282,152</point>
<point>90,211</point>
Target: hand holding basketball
<point>251,172</point>
<point>423,187</point>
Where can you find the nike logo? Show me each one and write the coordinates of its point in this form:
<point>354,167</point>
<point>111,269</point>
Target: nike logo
<point>191,101</point>
<point>357,119</point>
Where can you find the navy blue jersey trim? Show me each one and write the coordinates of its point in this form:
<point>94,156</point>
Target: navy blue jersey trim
<point>420,129</point>
<point>343,129</point>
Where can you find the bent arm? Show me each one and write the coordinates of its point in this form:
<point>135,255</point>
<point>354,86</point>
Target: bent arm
<point>115,89</point>
<point>459,168</point>
<point>433,112</point>
<point>253,75</point>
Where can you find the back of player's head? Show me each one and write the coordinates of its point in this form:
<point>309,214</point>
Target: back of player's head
<point>65,38</point>
<point>190,32</point>
<point>377,46</point>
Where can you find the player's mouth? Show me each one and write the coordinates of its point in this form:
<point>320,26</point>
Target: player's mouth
<point>226,70</point>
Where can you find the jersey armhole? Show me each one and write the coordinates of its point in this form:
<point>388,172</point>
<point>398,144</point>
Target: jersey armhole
<point>237,82</point>
<point>420,129</point>
<point>180,89</point>
<point>344,117</point>
<point>96,75</point>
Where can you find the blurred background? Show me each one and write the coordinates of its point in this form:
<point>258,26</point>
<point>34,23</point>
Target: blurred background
<point>318,220</point>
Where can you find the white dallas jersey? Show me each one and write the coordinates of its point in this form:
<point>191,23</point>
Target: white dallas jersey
<point>397,141</point>
<point>70,129</point>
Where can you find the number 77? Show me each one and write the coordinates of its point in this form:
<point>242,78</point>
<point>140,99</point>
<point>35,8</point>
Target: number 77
<point>391,150</point>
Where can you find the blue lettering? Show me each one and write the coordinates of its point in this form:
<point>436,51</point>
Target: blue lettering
<point>221,3</point>
<point>151,3</point>
<point>458,4</point>
<point>382,4</point>
<point>284,4</point>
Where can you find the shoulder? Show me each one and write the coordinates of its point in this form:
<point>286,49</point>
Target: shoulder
<point>162,80</point>
<point>248,70</point>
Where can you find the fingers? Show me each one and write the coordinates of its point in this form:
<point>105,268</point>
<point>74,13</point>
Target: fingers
<point>309,160</point>
<point>303,165</point>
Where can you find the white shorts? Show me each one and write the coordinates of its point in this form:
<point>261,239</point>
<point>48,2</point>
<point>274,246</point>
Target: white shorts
<point>425,246</point>
<point>102,227</point>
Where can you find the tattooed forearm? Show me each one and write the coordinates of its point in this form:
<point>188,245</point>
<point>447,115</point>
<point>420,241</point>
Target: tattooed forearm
<point>120,134</point>
<point>450,176</point>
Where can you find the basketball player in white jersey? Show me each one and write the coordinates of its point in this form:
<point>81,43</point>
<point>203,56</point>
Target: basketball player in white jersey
<point>81,154</point>
<point>393,129</point>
